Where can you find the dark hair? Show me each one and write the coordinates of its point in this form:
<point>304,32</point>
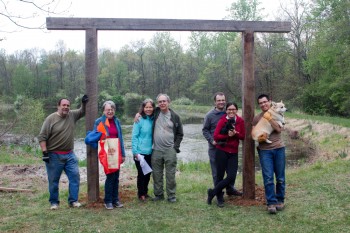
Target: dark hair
<point>231,103</point>
<point>262,96</point>
<point>143,105</point>
<point>60,100</point>
<point>218,93</point>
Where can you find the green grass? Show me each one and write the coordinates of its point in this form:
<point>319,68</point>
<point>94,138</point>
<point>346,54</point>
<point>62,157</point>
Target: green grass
<point>317,200</point>
<point>15,154</point>
<point>345,122</point>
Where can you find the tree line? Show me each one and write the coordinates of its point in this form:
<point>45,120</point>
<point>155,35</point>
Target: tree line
<point>307,68</point>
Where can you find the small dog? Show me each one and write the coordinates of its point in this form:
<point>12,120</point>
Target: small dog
<point>263,129</point>
<point>230,125</point>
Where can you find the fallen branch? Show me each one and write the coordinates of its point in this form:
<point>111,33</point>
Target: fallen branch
<point>3,189</point>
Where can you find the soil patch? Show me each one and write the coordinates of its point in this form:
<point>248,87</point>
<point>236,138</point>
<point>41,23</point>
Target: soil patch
<point>33,177</point>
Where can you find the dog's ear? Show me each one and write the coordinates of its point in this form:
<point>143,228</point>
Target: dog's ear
<point>273,104</point>
<point>281,102</point>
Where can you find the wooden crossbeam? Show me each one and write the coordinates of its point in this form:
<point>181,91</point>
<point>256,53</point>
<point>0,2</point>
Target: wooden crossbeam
<point>56,23</point>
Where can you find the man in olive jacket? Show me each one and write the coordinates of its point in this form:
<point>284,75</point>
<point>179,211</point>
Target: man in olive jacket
<point>167,136</point>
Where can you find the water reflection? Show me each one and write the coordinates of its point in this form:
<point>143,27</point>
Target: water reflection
<point>194,147</point>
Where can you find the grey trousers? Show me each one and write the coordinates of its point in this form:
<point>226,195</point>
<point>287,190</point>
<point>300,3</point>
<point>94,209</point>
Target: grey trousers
<point>168,160</point>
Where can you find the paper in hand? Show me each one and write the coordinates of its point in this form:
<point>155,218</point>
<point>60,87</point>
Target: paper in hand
<point>144,165</point>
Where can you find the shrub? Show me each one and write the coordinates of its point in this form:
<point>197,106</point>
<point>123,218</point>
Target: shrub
<point>132,103</point>
<point>183,101</point>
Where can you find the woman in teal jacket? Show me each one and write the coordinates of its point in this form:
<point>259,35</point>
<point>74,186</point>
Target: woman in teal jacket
<point>142,145</point>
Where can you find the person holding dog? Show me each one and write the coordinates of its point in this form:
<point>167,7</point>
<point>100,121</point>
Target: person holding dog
<point>272,159</point>
<point>230,129</point>
<point>211,120</point>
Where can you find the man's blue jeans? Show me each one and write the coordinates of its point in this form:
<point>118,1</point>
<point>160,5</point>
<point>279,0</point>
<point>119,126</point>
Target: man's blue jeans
<point>69,164</point>
<point>273,162</point>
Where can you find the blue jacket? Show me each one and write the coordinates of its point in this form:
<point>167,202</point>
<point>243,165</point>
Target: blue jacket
<point>141,140</point>
<point>120,135</point>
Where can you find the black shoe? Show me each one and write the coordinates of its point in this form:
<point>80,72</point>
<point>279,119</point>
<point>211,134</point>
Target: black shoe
<point>118,204</point>
<point>158,198</point>
<point>172,199</point>
<point>234,192</point>
<point>220,203</point>
<point>211,195</point>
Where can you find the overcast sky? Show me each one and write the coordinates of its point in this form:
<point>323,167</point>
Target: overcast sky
<point>176,9</point>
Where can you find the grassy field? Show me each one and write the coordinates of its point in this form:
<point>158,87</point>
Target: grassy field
<point>317,200</point>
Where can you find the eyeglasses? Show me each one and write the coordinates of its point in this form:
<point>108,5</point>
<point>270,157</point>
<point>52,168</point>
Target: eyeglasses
<point>264,102</point>
<point>231,109</point>
<point>162,101</point>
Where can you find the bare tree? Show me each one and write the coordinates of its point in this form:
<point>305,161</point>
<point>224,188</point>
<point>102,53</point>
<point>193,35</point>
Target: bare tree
<point>24,14</point>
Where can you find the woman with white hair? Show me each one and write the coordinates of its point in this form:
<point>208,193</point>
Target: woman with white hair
<point>110,125</point>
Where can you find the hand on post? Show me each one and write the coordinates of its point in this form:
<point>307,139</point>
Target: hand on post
<point>85,99</point>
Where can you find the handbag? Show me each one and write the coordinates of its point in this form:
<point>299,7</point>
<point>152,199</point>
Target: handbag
<point>110,154</point>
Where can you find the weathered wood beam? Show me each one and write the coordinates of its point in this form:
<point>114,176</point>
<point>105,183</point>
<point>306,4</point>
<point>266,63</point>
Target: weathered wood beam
<point>4,189</point>
<point>248,97</point>
<point>91,71</point>
<point>55,23</point>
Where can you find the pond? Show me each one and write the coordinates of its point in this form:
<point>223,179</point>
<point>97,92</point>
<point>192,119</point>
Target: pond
<point>194,147</point>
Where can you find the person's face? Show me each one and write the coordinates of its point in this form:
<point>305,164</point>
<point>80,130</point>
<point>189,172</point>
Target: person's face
<point>231,111</point>
<point>264,104</point>
<point>109,111</point>
<point>148,109</point>
<point>63,108</point>
<point>163,103</point>
<point>220,102</point>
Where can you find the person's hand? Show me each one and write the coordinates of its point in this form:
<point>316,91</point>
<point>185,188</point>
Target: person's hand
<point>46,157</point>
<point>267,116</point>
<point>85,99</point>
<point>136,118</point>
<point>231,133</point>
<point>214,143</point>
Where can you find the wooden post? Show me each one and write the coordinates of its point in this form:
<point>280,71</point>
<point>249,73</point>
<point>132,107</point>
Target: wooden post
<point>248,93</point>
<point>91,70</point>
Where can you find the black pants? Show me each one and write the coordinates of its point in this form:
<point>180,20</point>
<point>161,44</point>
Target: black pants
<point>143,180</point>
<point>225,162</point>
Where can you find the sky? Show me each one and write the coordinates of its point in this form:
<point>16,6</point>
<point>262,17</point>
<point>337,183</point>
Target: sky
<point>16,40</point>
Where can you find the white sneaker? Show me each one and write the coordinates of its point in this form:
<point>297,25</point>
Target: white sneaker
<point>75,204</point>
<point>54,207</point>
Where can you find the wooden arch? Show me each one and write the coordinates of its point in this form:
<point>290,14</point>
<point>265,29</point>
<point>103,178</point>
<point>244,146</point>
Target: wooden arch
<point>92,25</point>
